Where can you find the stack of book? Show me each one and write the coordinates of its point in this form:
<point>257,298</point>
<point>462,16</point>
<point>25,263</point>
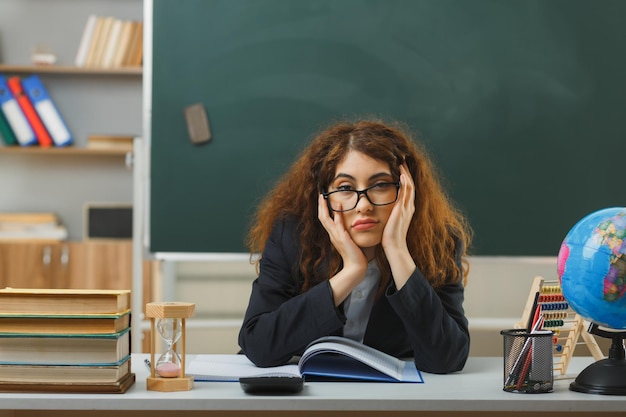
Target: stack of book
<point>28,116</point>
<point>54,340</point>
<point>31,227</point>
<point>108,42</point>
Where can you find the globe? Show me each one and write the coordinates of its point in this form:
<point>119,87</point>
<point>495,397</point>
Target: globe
<point>591,266</point>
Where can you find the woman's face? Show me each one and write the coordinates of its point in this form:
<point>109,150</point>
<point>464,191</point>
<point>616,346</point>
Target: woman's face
<point>365,223</point>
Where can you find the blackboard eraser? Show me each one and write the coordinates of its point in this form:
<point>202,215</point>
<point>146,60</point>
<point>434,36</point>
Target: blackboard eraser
<point>197,124</point>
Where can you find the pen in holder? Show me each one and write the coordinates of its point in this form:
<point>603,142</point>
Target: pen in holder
<point>528,361</point>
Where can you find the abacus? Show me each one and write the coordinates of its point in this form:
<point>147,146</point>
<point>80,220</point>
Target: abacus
<point>567,325</point>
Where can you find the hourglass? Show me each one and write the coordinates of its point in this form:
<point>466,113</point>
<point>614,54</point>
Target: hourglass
<point>168,372</point>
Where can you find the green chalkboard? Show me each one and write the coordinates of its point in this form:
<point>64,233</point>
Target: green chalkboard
<point>520,102</point>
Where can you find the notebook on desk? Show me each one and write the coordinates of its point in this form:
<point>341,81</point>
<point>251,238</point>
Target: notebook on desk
<point>229,368</point>
<point>330,359</point>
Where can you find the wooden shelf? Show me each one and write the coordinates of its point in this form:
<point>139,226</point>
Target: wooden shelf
<point>35,150</point>
<point>68,70</point>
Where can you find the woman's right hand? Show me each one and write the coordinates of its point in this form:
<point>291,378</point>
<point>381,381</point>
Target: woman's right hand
<point>354,260</point>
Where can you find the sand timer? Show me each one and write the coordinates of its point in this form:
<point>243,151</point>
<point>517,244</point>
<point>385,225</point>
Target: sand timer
<point>168,372</point>
<point>168,364</point>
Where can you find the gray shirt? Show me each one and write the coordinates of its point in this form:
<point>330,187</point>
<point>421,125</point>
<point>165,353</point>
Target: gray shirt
<point>358,305</point>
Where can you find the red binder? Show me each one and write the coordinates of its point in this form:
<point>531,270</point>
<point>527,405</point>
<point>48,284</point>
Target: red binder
<point>15,85</point>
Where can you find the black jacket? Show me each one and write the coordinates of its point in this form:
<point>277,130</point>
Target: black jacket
<point>417,321</point>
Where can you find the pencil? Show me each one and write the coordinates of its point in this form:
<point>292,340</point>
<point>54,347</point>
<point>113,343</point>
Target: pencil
<point>515,375</point>
<point>529,353</point>
<point>532,317</point>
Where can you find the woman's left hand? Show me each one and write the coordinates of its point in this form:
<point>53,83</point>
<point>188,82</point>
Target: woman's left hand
<point>395,233</point>
<point>399,221</point>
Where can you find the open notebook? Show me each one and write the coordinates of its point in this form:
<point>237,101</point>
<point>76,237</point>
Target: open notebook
<point>330,358</point>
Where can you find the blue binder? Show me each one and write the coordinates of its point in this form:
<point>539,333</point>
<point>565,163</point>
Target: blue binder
<point>47,110</point>
<point>14,115</point>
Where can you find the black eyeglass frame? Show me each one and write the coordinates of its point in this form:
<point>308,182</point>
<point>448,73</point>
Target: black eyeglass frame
<point>359,193</point>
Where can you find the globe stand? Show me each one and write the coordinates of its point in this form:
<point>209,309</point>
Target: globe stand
<point>606,376</point>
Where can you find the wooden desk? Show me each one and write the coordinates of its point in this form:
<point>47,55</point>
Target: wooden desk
<point>476,391</point>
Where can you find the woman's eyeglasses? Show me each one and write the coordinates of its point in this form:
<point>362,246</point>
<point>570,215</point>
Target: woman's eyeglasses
<point>380,194</point>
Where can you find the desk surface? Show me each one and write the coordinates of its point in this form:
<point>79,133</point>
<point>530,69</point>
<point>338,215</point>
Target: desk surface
<point>477,388</point>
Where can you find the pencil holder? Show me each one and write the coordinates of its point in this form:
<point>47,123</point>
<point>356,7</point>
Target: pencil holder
<point>528,361</point>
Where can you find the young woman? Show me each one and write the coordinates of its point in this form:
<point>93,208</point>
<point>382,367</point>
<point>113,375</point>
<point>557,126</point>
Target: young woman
<point>358,239</point>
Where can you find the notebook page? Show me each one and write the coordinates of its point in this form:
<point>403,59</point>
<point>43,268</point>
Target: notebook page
<point>380,361</point>
<point>231,368</point>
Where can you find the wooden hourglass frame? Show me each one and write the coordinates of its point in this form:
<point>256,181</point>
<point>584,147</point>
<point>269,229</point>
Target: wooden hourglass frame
<point>169,310</point>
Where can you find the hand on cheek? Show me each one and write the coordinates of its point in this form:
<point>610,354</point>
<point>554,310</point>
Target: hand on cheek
<point>396,230</point>
<point>397,227</point>
<point>339,236</point>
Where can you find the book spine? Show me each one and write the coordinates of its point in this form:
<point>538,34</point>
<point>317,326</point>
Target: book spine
<point>14,115</point>
<point>123,44</point>
<point>65,349</point>
<point>43,137</point>
<point>47,110</point>
<point>90,59</point>
<point>110,48</point>
<point>85,41</point>
<point>134,55</point>
<point>101,42</point>
<point>138,52</point>
<point>6,132</point>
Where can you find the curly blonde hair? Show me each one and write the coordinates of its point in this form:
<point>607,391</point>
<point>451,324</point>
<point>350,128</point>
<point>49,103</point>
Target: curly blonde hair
<point>435,231</point>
